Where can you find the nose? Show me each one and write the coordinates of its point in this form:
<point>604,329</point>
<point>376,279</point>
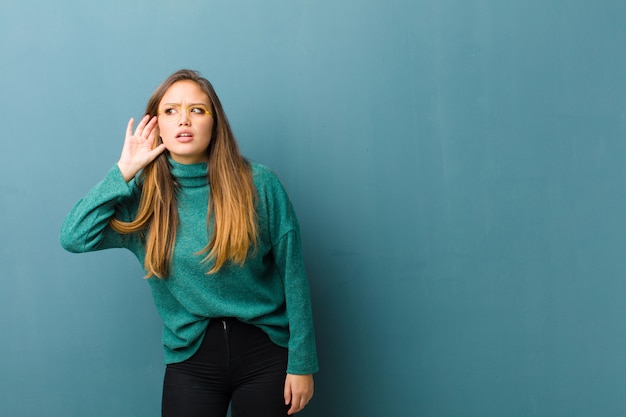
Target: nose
<point>183,119</point>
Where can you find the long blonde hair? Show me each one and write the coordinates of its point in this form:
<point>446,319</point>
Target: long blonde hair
<point>231,207</point>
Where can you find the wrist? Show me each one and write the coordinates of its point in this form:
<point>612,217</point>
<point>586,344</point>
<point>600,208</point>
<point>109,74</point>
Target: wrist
<point>127,172</point>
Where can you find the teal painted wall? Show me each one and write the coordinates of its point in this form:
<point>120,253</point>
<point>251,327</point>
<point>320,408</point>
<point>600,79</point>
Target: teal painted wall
<point>457,166</point>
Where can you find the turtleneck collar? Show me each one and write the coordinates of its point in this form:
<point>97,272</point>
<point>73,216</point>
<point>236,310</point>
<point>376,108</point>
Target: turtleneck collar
<point>189,175</point>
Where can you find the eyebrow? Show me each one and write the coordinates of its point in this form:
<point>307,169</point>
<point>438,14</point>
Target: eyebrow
<point>188,105</point>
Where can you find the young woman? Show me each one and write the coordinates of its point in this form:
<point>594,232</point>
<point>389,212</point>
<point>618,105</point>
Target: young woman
<point>220,244</point>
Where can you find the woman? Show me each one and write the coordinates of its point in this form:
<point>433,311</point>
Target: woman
<point>220,244</point>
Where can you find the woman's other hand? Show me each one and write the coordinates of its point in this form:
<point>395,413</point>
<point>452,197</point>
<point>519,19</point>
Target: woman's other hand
<point>298,391</point>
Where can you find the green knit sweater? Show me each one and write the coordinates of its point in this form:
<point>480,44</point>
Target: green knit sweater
<point>270,290</point>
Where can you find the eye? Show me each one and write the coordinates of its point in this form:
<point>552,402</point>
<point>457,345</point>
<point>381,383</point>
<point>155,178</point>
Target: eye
<point>199,110</point>
<point>170,111</point>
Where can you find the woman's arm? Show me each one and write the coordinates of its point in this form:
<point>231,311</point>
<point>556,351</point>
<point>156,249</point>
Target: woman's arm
<point>288,258</point>
<point>302,356</point>
<point>284,232</point>
<point>86,227</point>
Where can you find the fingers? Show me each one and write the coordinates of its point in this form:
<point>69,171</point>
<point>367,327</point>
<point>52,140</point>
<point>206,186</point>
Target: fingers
<point>287,392</point>
<point>295,408</point>
<point>144,129</point>
<point>139,148</point>
<point>129,127</point>
<point>297,404</point>
<point>298,392</point>
<point>157,151</point>
<point>146,126</point>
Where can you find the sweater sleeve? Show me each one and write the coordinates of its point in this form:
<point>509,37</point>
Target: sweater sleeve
<point>86,228</point>
<point>302,352</point>
<point>287,251</point>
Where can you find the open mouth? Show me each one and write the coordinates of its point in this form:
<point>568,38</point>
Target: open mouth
<point>184,137</point>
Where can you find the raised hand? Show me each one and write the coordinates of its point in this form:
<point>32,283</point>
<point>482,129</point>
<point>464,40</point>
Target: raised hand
<point>137,151</point>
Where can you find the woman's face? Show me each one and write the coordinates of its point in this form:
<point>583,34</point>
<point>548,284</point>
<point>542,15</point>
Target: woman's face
<point>185,122</point>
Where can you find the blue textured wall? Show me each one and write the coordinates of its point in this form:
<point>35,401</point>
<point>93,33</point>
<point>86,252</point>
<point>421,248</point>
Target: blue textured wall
<point>458,168</point>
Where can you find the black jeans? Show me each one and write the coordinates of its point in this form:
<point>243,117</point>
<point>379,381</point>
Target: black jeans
<point>236,364</point>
